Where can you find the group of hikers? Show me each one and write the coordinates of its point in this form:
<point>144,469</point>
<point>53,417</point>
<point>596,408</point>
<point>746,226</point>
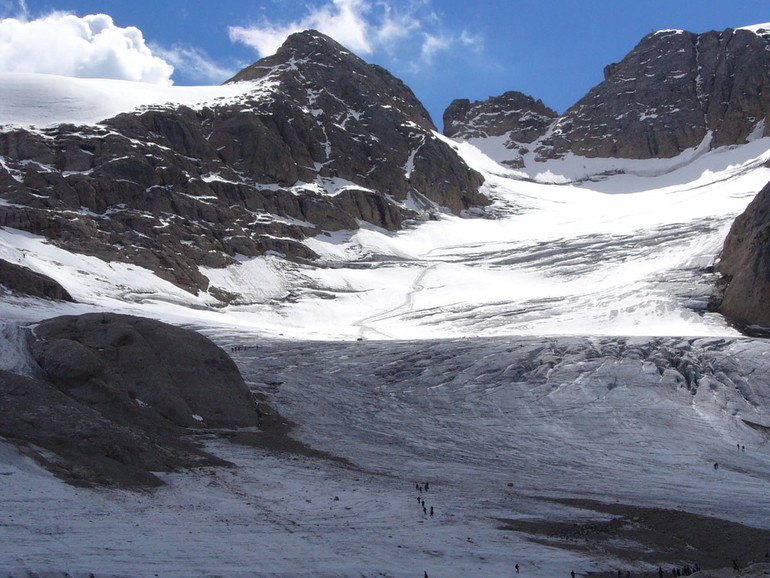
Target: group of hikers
<point>234,348</point>
<point>420,488</point>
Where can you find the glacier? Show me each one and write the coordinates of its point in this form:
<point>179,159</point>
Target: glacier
<point>556,345</point>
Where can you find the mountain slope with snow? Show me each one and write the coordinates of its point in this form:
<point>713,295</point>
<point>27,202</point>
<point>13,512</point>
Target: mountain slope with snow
<point>557,344</point>
<point>674,91</point>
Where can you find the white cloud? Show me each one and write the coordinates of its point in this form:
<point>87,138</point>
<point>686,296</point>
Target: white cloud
<point>474,42</point>
<point>343,20</point>
<point>194,63</point>
<point>87,47</point>
<point>432,45</point>
<point>407,30</point>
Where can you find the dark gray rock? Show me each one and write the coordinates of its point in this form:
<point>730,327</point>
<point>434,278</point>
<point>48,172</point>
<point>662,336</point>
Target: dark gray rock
<point>514,114</point>
<point>369,122</point>
<point>117,398</point>
<point>745,264</point>
<point>671,90</point>
<point>23,280</point>
<point>177,372</point>
<point>665,96</point>
<point>83,447</point>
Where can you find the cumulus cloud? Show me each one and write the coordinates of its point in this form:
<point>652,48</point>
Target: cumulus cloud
<point>87,47</point>
<point>394,28</point>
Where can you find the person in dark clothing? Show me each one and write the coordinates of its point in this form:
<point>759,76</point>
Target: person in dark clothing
<point>517,568</point>
<point>431,511</point>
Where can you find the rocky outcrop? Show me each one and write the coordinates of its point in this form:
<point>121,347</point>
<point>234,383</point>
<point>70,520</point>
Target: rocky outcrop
<point>27,282</point>
<point>514,114</point>
<point>368,127</point>
<point>745,264</point>
<point>117,396</point>
<point>668,94</point>
<point>321,142</point>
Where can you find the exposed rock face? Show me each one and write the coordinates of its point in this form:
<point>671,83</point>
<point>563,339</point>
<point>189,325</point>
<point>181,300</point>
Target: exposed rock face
<point>367,126</point>
<point>745,264</point>
<point>23,280</point>
<point>513,114</point>
<point>116,394</point>
<point>322,141</point>
<point>665,96</point>
<point>669,92</point>
<point>519,117</point>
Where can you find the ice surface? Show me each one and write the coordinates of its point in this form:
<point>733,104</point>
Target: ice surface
<point>492,424</point>
<point>624,255</point>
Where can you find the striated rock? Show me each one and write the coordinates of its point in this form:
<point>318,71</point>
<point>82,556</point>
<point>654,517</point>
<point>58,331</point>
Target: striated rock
<point>669,92</point>
<point>322,141</point>
<point>745,264</point>
<point>368,128</point>
<point>24,280</point>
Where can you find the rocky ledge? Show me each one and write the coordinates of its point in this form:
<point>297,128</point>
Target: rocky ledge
<point>20,279</point>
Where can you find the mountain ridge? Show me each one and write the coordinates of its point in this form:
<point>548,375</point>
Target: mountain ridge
<point>668,94</point>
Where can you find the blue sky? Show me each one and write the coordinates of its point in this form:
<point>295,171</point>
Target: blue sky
<point>553,50</point>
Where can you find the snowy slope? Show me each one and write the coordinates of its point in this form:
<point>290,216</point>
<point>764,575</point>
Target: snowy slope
<point>566,252</point>
<point>577,258</point>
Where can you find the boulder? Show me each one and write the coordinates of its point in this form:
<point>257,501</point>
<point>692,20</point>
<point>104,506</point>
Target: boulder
<point>118,397</point>
<point>177,372</point>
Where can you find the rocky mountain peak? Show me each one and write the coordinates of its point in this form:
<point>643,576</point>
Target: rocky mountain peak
<point>672,91</point>
<point>322,142</point>
<point>313,61</point>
